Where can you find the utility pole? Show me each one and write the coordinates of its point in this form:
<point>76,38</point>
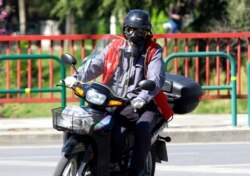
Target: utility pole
<point>22,16</point>
<point>112,26</point>
<point>70,20</point>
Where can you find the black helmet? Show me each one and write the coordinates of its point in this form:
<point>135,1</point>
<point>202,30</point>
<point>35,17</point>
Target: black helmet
<point>137,18</point>
<point>136,26</point>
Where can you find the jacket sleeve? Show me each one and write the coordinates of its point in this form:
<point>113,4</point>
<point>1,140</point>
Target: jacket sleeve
<point>91,68</point>
<point>155,72</point>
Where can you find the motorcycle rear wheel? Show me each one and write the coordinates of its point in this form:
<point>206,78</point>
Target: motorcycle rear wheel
<point>68,166</point>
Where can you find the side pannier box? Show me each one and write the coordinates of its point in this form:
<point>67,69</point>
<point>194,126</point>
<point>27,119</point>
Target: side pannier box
<point>183,93</point>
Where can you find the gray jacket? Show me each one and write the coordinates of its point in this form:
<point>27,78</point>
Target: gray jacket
<point>132,68</point>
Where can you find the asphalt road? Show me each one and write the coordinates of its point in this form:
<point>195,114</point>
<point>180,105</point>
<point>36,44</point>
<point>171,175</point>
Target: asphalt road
<point>219,159</point>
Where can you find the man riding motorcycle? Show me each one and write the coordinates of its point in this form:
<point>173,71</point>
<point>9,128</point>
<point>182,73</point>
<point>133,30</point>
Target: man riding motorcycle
<point>139,59</point>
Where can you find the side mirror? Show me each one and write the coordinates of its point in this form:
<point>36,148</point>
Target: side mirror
<point>68,59</point>
<point>147,85</point>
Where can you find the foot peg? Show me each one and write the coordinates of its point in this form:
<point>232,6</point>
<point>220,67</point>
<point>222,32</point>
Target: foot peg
<point>166,139</point>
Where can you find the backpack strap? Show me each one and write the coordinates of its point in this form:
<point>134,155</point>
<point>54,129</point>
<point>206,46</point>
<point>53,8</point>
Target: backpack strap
<point>112,60</point>
<point>150,51</point>
<point>161,100</point>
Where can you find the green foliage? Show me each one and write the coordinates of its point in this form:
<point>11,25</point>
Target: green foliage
<point>37,110</point>
<point>158,18</point>
<point>39,9</point>
<point>93,16</point>
<point>218,106</point>
<point>27,110</point>
<point>239,16</point>
<point>64,7</point>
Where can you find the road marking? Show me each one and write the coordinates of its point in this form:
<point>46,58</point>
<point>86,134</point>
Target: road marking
<point>31,147</point>
<point>207,143</point>
<point>213,169</point>
<point>28,163</point>
<point>29,157</point>
<point>183,153</point>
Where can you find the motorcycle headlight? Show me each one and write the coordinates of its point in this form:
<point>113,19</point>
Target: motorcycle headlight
<point>76,118</point>
<point>93,96</point>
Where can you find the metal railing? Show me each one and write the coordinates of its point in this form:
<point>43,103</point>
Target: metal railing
<point>231,87</point>
<point>28,90</point>
<point>248,90</point>
<point>235,44</point>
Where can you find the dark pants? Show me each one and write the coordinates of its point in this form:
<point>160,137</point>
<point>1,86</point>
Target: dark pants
<point>142,124</point>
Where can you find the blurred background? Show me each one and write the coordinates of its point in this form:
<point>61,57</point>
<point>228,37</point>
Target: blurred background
<point>47,20</point>
<point>106,16</point>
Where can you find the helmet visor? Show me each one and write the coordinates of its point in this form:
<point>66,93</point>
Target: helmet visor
<point>128,30</point>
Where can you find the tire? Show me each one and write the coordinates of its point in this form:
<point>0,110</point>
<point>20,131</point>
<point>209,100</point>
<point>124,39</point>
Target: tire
<point>68,166</point>
<point>149,169</point>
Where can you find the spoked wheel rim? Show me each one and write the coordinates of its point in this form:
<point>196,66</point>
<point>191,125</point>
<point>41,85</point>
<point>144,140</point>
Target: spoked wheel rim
<point>71,168</point>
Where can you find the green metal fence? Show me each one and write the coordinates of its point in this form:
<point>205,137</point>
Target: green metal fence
<point>62,90</point>
<point>231,87</point>
<point>248,91</point>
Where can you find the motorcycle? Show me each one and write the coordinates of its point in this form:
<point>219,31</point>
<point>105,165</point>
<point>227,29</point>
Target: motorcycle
<point>87,148</point>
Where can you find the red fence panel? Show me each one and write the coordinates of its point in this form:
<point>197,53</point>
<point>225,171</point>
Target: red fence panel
<point>235,44</point>
<point>202,70</point>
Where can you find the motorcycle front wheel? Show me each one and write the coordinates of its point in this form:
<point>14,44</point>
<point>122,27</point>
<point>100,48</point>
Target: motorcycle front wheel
<point>149,169</point>
<point>73,165</point>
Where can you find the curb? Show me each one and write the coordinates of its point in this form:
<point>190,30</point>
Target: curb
<point>208,135</point>
<point>45,137</point>
<point>183,135</point>
<point>182,129</point>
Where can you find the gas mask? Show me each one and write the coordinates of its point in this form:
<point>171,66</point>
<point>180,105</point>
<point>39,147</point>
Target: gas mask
<point>134,35</point>
<point>131,50</point>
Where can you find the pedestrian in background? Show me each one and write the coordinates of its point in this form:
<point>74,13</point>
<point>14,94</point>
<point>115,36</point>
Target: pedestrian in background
<point>174,24</point>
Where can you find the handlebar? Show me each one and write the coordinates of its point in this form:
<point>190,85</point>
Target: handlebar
<point>94,85</point>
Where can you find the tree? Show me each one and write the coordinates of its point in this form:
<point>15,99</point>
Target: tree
<point>203,15</point>
<point>74,10</point>
<point>98,11</point>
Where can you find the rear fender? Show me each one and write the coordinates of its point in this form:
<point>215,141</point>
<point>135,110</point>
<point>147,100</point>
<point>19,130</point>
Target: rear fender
<point>159,151</point>
<point>71,146</point>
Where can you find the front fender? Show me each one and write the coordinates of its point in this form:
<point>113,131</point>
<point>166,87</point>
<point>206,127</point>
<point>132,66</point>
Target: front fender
<point>71,146</point>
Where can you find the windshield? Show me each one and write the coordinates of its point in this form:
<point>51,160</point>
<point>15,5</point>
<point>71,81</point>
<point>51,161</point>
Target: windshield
<point>109,63</point>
